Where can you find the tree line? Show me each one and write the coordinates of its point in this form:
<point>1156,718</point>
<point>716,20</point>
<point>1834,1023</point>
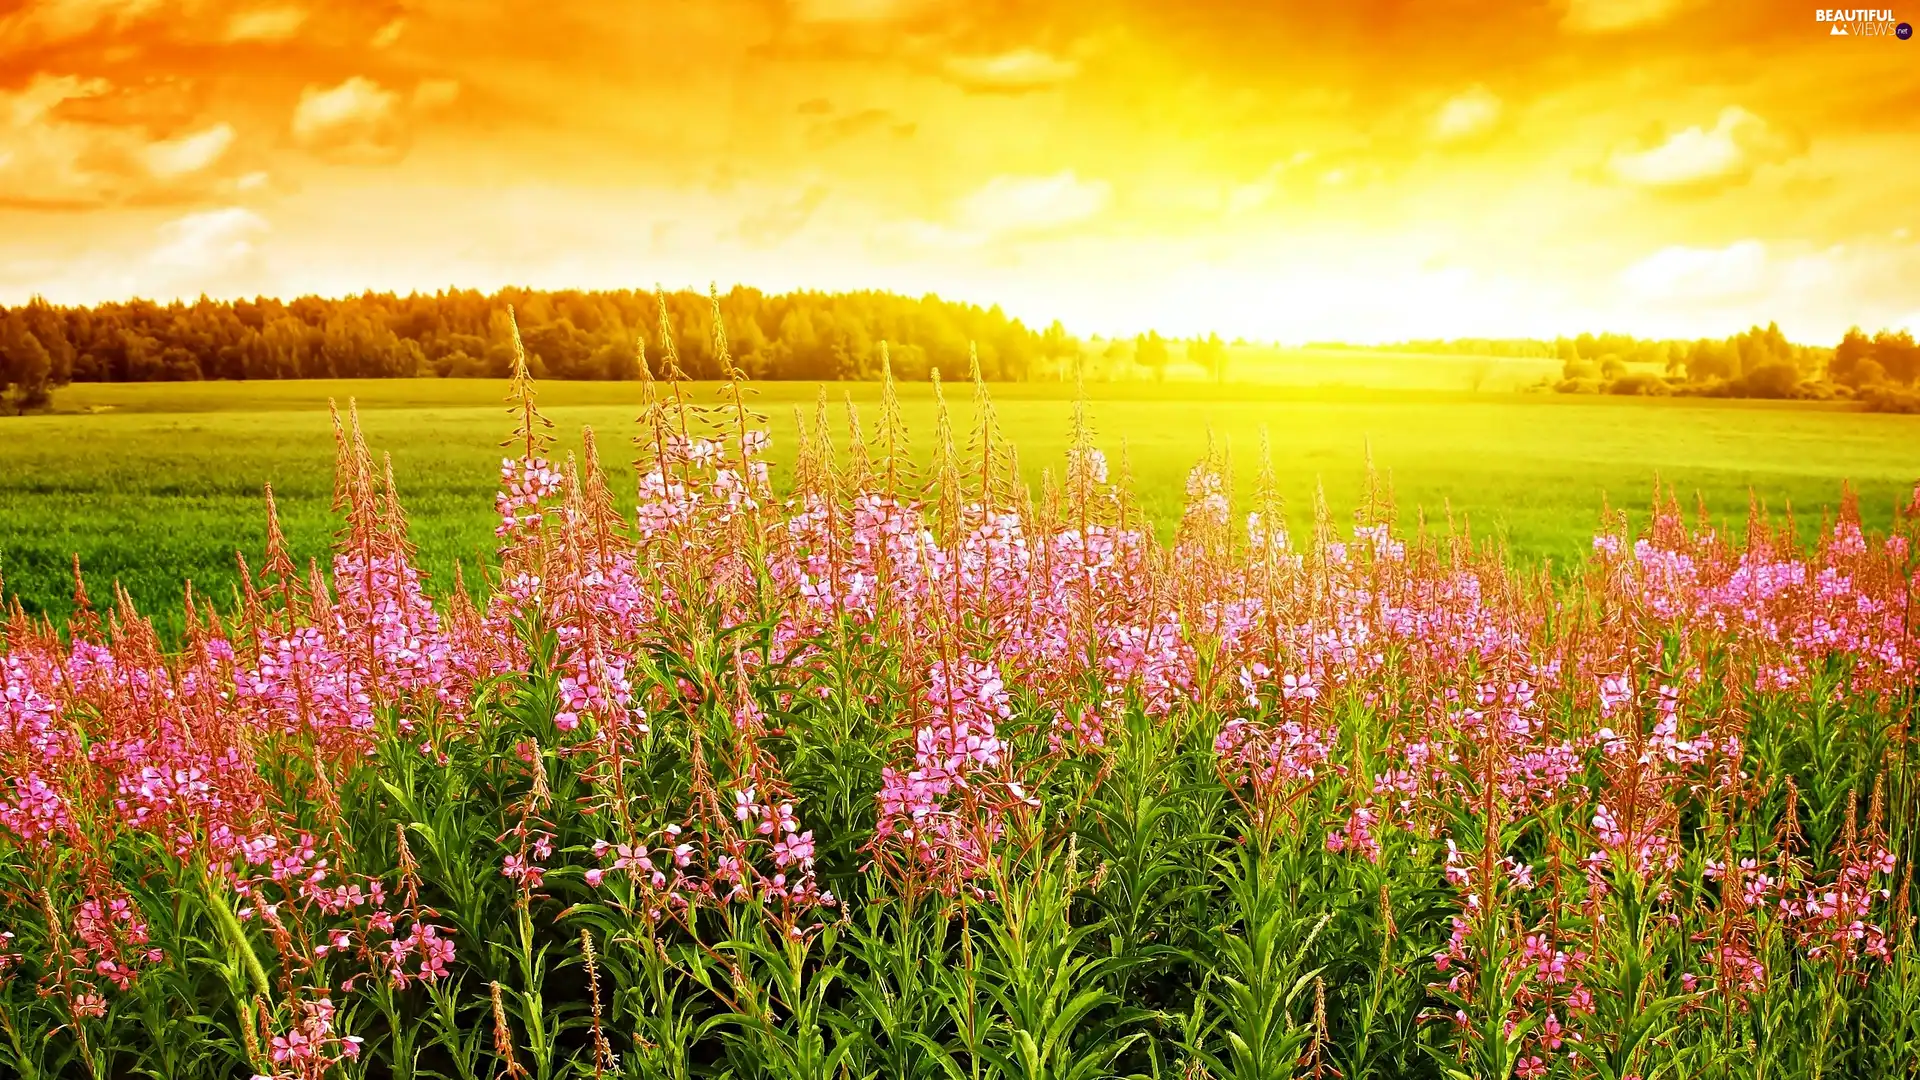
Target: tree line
<point>568,334</point>
<point>813,336</point>
<point>1880,369</point>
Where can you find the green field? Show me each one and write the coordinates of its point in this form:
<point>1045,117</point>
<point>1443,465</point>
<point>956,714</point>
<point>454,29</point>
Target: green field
<point>1273,365</point>
<point>154,484</point>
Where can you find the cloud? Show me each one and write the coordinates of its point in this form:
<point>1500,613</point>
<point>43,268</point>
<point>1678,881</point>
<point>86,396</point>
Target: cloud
<point>188,154</point>
<point>47,92</point>
<point>51,22</point>
<point>432,94</point>
<point>265,24</point>
<point>844,11</point>
<point>854,125</point>
<point>779,222</point>
<point>1603,16</point>
<point>1011,72</point>
<point>388,33</point>
<point>1008,207</point>
<point>1702,158</point>
<point>1691,274</point>
<point>356,121</point>
<point>1030,203</point>
<point>65,150</point>
<point>211,242</point>
<point>1251,196</point>
<point>1467,116</point>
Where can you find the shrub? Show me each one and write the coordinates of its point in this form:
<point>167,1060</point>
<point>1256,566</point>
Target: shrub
<point>1640,383</point>
<point>1579,369</point>
<point>1888,398</point>
<point>1578,386</point>
<point>1775,380</point>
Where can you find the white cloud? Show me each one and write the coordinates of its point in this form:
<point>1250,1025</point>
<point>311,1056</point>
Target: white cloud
<point>188,153</point>
<point>1814,291</point>
<point>210,242</point>
<point>1602,16</point>
<point>1701,157</point>
<point>1011,72</point>
<point>265,24</point>
<point>358,120</point>
<point>1680,273</point>
<point>1467,115</point>
<point>1022,203</point>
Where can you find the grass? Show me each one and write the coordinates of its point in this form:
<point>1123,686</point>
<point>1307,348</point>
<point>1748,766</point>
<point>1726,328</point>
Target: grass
<point>1276,365</point>
<point>155,484</point>
<point>848,790</point>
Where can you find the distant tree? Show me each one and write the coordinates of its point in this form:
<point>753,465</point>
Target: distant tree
<point>1577,368</point>
<point>1150,352</point>
<point>576,334</point>
<point>1058,349</point>
<point>1897,354</point>
<point>35,356</point>
<point>1211,354</point>
<point>1775,379</point>
<point>1707,359</point>
<point>1849,357</point>
<point>25,372</point>
<point>49,325</point>
<point>178,364</point>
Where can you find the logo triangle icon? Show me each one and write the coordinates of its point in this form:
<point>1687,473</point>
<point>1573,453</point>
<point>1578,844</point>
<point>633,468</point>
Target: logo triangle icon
<point>1837,31</point>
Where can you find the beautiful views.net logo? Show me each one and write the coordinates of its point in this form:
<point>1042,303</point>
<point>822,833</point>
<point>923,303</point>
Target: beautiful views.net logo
<point>1867,22</point>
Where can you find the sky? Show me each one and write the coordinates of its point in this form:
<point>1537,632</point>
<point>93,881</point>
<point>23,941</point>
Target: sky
<point>1365,170</point>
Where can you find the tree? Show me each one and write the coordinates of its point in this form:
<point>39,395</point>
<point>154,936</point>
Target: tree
<point>1058,349</point>
<point>25,372</point>
<point>1849,357</point>
<point>1211,354</point>
<point>1150,352</point>
<point>1776,379</point>
<point>1898,354</point>
<point>1708,359</point>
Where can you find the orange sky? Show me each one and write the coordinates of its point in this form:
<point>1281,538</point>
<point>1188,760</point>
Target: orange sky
<point>1367,169</point>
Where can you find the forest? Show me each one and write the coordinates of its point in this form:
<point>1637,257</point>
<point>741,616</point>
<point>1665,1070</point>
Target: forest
<point>808,335</point>
<point>464,333</point>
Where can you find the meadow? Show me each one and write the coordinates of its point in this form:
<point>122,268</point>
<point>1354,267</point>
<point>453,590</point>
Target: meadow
<point>880,766</point>
<point>1323,367</point>
<point>153,485</point>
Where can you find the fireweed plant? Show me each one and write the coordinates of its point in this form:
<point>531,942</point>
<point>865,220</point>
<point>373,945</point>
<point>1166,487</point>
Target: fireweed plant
<point>907,772</point>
